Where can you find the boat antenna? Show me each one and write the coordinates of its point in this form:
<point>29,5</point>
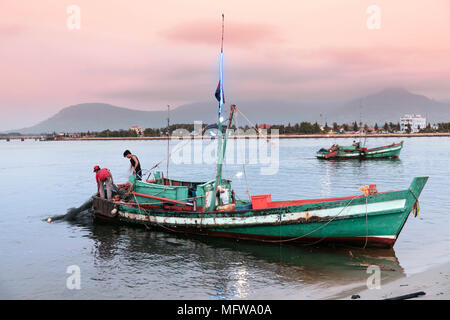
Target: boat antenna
<point>168,140</point>
<point>223,27</point>
<point>360,120</point>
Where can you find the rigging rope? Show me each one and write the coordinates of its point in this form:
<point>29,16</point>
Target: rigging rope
<point>301,158</point>
<point>156,222</point>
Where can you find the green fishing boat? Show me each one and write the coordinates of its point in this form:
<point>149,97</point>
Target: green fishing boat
<point>362,153</point>
<point>209,208</point>
<point>370,221</point>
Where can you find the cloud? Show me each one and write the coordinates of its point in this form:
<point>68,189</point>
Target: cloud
<point>208,32</point>
<point>321,74</point>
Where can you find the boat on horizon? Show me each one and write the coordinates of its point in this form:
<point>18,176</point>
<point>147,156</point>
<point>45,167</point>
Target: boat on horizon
<point>209,208</point>
<point>361,153</point>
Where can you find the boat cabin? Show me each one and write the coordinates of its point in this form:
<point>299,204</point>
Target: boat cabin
<point>183,193</point>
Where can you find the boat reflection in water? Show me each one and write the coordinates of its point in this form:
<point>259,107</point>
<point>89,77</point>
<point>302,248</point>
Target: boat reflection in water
<point>159,265</point>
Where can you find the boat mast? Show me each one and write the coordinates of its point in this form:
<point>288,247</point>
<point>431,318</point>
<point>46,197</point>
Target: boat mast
<point>220,149</point>
<point>221,156</point>
<point>225,139</point>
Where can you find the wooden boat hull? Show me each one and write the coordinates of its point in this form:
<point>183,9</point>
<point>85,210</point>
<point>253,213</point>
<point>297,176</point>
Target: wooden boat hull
<point>372,221</point>
<point>391,151</point>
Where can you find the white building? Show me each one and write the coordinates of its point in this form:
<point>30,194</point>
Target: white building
<point>138,130</point>
<point>416,121</point>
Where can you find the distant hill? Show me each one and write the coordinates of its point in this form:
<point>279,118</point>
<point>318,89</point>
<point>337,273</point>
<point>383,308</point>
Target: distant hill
<point>387,105</point>
<point>98,116</point>
<point>94,117</point>
<point>390,105</point>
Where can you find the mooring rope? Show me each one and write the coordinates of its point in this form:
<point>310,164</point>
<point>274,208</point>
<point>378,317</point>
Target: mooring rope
<point>416,204</point>
<point>262,240</point>
<point>413,194</point>
<point>318,228</point>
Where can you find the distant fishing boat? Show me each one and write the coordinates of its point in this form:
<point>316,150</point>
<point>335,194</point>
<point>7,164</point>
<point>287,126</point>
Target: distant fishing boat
<point>361,153</point>
<point>209,208</point>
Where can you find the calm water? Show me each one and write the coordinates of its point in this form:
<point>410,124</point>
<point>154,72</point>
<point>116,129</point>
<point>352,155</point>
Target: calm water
<point>46,179</point>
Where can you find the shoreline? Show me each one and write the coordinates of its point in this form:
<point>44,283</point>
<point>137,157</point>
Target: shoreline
<point>281,136</point>
<point>434,282</point>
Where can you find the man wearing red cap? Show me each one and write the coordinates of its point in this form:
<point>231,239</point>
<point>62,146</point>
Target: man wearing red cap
<point>103,176</point>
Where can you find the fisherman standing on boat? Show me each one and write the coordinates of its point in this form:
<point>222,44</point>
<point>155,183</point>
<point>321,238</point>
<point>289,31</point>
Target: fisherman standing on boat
<point>104,176</point>
<point>135,164</point>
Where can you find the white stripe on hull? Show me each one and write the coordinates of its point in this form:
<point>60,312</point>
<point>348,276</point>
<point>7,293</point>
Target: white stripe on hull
<point>383,237</point>
<point>348,155</point>
<point>268,219</point>
<point>384,150</point>
<point>367,153</point>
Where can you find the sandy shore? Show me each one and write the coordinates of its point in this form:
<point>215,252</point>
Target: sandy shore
<point>434,282</point>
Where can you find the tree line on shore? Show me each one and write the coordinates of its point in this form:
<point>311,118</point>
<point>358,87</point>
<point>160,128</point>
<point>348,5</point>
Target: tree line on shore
<point>297,128</point>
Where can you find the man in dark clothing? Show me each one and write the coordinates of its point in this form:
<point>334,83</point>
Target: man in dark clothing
<point>135,164</point>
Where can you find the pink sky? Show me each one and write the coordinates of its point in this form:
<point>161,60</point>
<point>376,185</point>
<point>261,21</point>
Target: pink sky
<point>146,54</point>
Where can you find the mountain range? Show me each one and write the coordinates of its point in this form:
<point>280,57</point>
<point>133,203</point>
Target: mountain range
<point>385,106</point>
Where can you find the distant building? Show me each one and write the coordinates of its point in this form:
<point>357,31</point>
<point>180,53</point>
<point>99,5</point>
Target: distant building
<point>416,121</point>
<point>369,129</point>
<point>264,126</point>
<point>138,130</point>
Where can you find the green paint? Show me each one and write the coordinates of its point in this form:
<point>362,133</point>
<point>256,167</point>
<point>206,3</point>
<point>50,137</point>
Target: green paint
<point>348,152</point>
<point>386,222</point>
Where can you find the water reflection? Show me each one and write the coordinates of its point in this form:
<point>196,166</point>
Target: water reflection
<point>352,174</point>
<point>226,268</point>
<point>360,166</point>
<point>133,263</point>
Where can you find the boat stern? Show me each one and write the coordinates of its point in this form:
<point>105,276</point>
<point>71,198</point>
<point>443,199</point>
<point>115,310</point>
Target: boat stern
<point>321,153</point>
<point>103,208</point>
